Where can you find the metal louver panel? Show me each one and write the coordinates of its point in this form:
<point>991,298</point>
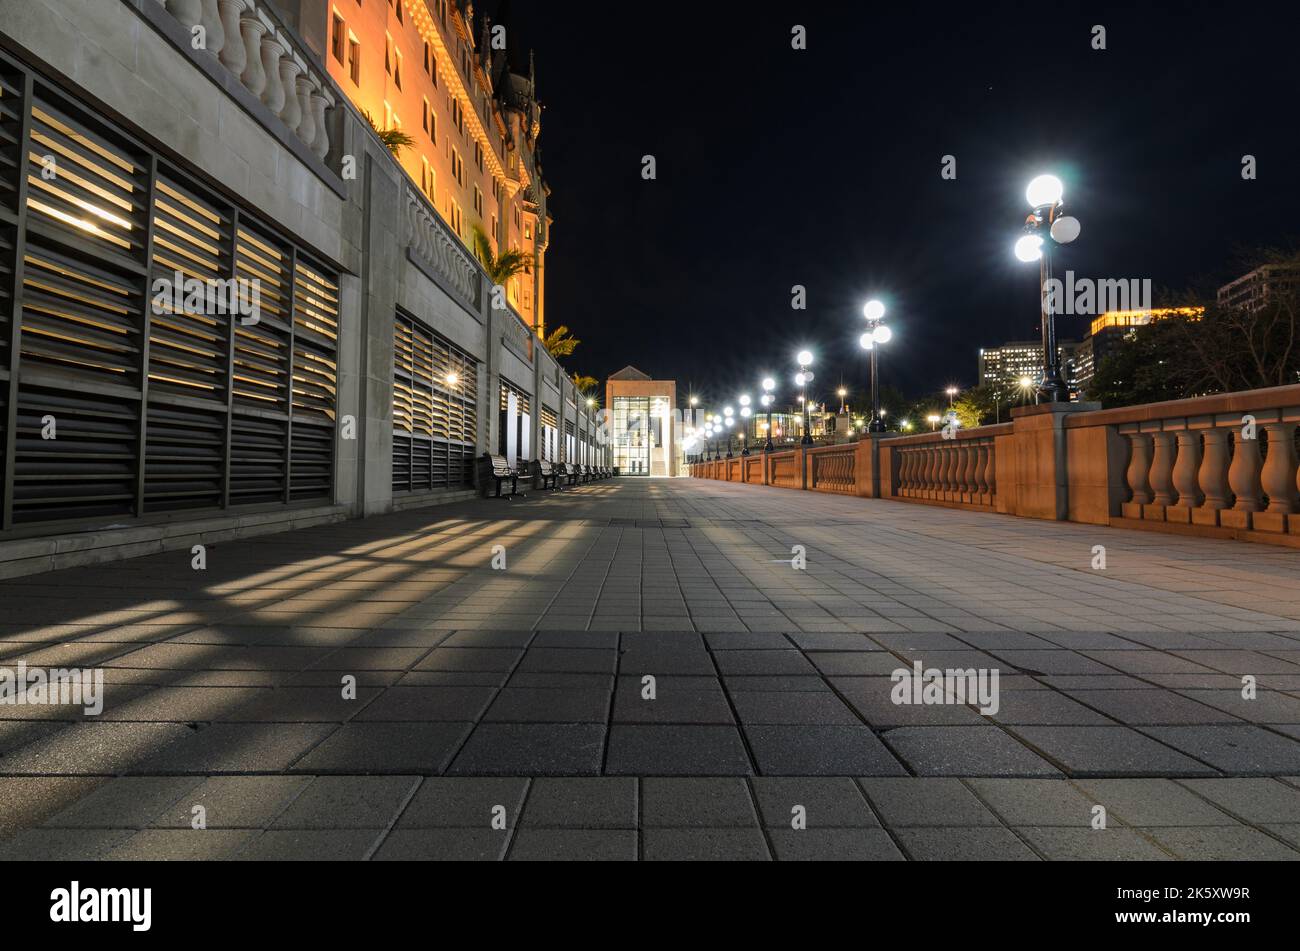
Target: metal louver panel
<point>434,418</point>
<point>83,186</point>
<point>128,402</point>
<point>188,345</point>
<point>87,469</point>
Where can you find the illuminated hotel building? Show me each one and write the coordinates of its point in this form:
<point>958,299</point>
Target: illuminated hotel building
<point>470,108</point>
<point>1110,328</point>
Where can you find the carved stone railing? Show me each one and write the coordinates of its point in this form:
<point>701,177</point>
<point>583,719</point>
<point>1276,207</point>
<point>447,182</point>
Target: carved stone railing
<point>961,470</point>
<point>783,469</point>
<point>431,243</point>
<point>833,469</point>
<point>1225,468</point>
<point>245,37</point>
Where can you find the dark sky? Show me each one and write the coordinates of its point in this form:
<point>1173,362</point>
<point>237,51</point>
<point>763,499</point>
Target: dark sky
<point>821,167</point>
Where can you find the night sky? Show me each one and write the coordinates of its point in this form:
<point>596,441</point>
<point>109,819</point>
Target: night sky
<point>821,167</point>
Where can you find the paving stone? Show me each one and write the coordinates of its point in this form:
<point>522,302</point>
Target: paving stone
<point>571,661</point>
<point>531,749</point>
<point>309,845</point>
<point>126,803</point>
<point>1237,750</point>
<point>834,845</point>
<point>1044,708</point>
<point>422,704</point>
<point>752,663</point>
<point>403,748</point>
<point>1093,845</point>
<point>1035,802</point>
<point>348,802</point>
<point>1256,801</point>
<point>1150,706</point>
<point>1108,751</point>
<point>232,802</point>
<point>676,750</point>
<point>1224,844</point>
<point>915,801</point>
<point>443,845</point>
<point>828,803</point>
<point>464,803</point>
<point>93,749</point>
<point>820,751</point>
<point>549,705</point>
<point>181,845</point>
<point>857,664</point>
<point>471,659</point>
<point>704,845</point>
<point>792,708</point>
<point>61,845</point>
<point>574,845</point>
<point>237,748</point>
<point>872,698</point>
<point>582,803</point>
<point>672,803</point>
<point>677,700</point>
<point>965,751</point>
<point>964,845</point>
<point>1153,802</point>
<point>644,658</point>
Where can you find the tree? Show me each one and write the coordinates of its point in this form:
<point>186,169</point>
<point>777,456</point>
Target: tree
<point>585,385</point>
<point>561,343</point>
<point>502,267</point>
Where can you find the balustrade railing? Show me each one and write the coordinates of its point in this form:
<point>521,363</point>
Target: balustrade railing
<point>948,470</point>
<point>833,469</point>
<point>245,37</point>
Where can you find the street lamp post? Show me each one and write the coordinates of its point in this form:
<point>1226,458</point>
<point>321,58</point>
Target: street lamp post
<point>877,335</point>
<point>952,392</point>
<point>769,385</point>
<point>1044,195</point>
<point>805,377</point>
<point>745,414</point>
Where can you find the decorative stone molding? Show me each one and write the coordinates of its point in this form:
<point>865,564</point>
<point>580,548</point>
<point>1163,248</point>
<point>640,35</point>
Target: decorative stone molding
<point>433,246</point>
<point>248,40</point>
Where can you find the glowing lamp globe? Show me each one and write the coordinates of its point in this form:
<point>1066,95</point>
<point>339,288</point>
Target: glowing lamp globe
<point>882,334</point>
<point>804,359</point>
<point>1044,190</point>
<point>1029,248</point>
<point>1065,230</point>
<point>867,341</point>
<point>874,310</point>
<point>769,384</point>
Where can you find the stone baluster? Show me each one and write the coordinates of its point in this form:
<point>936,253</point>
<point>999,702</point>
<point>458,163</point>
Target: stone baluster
<point>914,474</point>
<point>1278,478</point>
<point>948,476</point>
<point>1243,476</point>
<point>321,102</point>
<point>982,469</point>
<point>291,111</point>
<point>1162,468</point>
<point>214,31</point>
<point>273,49</point>
<point>233,56</point>
<point>927,470</point>
<point>253,77</point>
<point>1186,469</point>
<point>1213,477</point>
<point>189,13</point>
<point>991,470</point>
<point>1139,468</point>
<point>965,473</point>
<point>306,127</point>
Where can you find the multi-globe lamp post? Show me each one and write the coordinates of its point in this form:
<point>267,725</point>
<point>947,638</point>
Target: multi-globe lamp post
<point>1046,228</point>
<point>745,413</point>
<point>876,336</point>
<point>729,422</point>
<point>802,379</point>
<point>769,386</point>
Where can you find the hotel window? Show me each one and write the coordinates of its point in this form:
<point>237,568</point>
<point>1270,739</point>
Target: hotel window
<point>388,116</point>
<point>340,38</point>
<point>428,58</point>
<point>398,5</point>
<point>424,115</point>
<point>478,202</point>
<point>528,232</point>
<point>457,168</point>
<point>433,126</point>
<point>478,156</point>
<point>426,177</point>
<point>456,219</point>
<point>397,68</point>
<point>388,54</point>
<point>354,58</point>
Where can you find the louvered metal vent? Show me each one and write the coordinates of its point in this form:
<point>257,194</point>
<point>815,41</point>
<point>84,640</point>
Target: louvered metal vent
<point>142,381</point>
<point>435,386</point>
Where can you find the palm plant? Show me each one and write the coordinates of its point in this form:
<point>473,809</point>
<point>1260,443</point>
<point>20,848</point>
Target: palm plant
<point>500,267</point>
<point>560,343</point>
<point>394,139</point>
<point>585,384</point>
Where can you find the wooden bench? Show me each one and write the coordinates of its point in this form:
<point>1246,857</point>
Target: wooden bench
<point>495,469</point>
<point>544,473</point>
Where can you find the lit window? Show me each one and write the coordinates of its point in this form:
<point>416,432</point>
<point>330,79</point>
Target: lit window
<point>354,58</point>
<point>397,68</point>
<point>339,45</point>
<point>388,54</point>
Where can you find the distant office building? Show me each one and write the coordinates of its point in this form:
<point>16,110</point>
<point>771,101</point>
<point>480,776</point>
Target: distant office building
<point>644,434</point>
<point>1003,367</point>
<point>1110,329</point>
<point>1252,291</point>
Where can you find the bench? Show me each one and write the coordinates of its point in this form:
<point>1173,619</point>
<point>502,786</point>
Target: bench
<point>592,475</point>
<point>567,472</point>
<point>543,473</point>
<point>495,469</point>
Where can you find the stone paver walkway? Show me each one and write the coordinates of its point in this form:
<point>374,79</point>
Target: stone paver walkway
<point>507,713</point>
